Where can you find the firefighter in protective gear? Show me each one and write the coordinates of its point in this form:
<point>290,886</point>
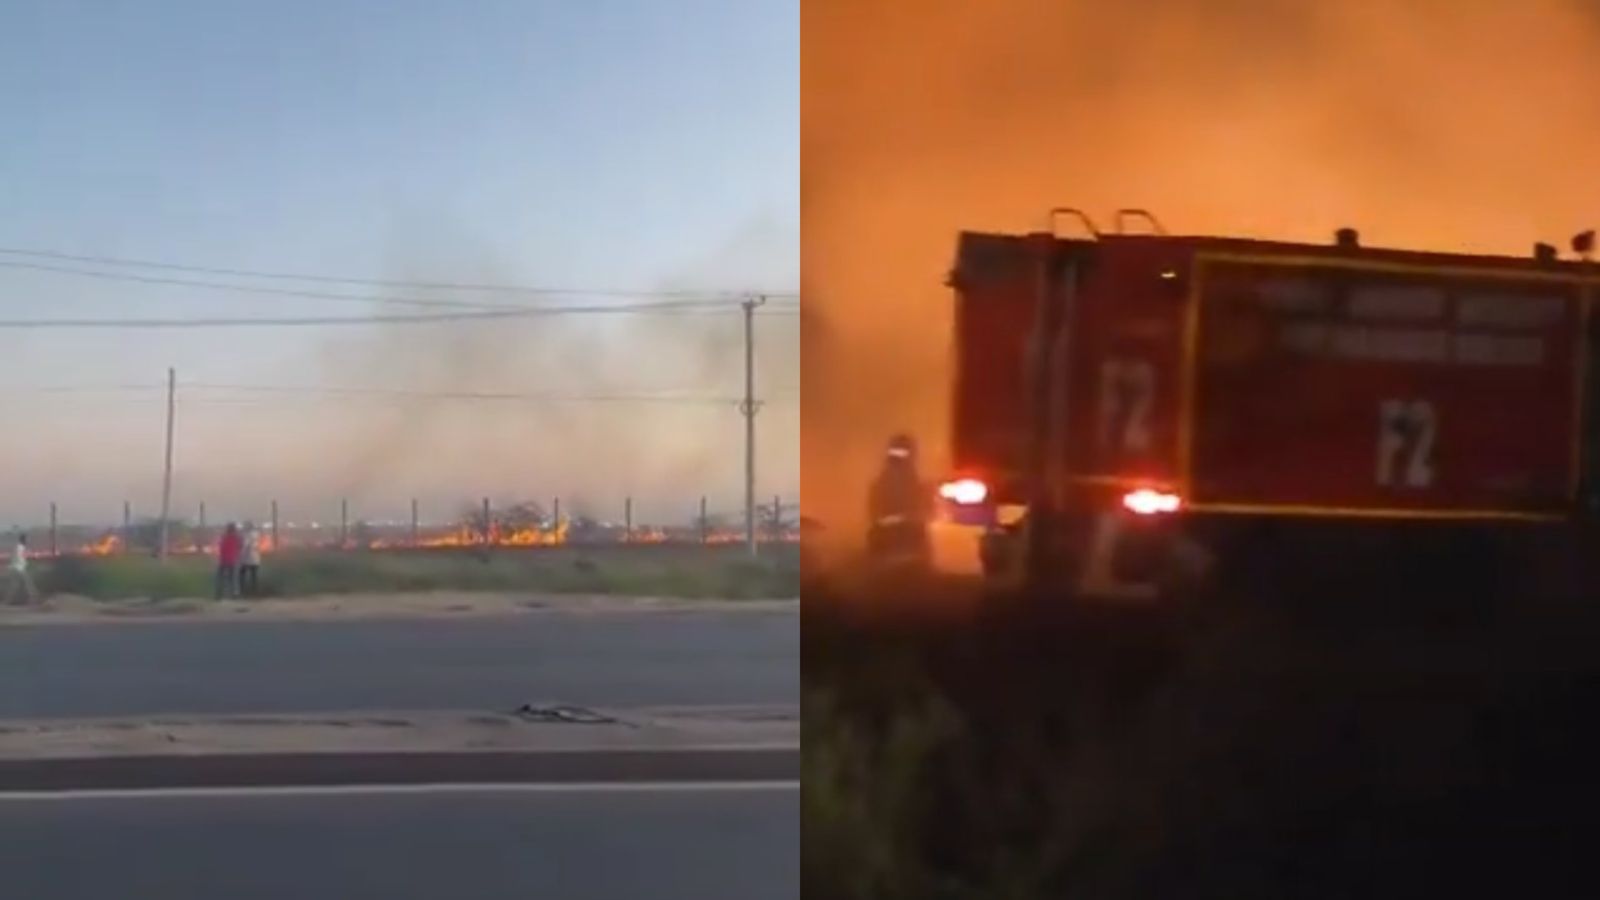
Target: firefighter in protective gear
<point>900,507</point>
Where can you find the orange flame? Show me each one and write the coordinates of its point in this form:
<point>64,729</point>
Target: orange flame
<point>107,545</point>
<point>111,543</point>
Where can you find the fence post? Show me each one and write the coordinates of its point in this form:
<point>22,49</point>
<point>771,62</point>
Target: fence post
<point>777,519</point>
<point>627,520</point>
<point>199,541</point>
<point>488,524</point>
<point>415,538</point>
<point>344,524</point>
<point>55,548</point>
<point>705,526</point>
<point>277,542</point>
<point>127,525</point>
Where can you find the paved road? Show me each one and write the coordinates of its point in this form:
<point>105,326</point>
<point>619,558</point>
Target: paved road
<point>581,844</point>
<point>210,667</point>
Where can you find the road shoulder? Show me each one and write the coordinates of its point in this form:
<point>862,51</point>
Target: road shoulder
<point>538,743</point>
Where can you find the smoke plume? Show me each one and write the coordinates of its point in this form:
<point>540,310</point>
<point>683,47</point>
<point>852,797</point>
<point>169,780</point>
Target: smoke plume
<point>590,445</point>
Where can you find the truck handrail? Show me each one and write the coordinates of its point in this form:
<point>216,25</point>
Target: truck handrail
<point>1080,215</point>
<point>1124,214</point>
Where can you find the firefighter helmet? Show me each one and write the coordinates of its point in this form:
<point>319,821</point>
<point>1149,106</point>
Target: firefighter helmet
<point>902,446</point>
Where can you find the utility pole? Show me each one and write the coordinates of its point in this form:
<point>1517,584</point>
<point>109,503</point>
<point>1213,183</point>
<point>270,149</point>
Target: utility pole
<point>749,408</point>
<point>414,536</point>
<point>55,546</point>
<point>276,543</point>
<point>166,478</point>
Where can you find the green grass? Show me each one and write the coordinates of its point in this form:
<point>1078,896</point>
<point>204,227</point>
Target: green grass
<point>682,572</point>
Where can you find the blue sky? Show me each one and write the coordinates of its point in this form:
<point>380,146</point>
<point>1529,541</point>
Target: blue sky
<point>607,143</point>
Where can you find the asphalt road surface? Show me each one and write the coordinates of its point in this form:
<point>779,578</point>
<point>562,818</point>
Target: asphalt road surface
<point>575,843</point>
<point>614,659</point>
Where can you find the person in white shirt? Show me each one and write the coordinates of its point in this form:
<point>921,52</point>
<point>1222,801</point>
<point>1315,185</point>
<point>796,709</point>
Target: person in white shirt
<point>20,579</point>
<point>250,561</point>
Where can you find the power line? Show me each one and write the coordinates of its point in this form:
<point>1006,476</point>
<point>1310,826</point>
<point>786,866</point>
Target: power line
<point>380,282</point>
<point>112,387</point>
<point>77,388</point>
<point>381,403</point>
<point>250,289</point>
<point>683,395</point>
<point>305,321</point>
<point>702,303</point>
<point>402,393</point>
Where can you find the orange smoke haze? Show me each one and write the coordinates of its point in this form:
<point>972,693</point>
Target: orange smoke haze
<point>1441,124</point>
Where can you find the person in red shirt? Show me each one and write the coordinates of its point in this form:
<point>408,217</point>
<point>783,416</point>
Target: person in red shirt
<point>228,550</point>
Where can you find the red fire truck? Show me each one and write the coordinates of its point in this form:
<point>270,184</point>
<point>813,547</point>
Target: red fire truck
<point>1134,409</point>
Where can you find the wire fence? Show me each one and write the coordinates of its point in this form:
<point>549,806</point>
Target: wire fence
<point>484,525</point>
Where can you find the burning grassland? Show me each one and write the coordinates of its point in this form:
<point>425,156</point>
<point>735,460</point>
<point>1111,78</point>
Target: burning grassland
<point>516,527</point>
<point>662,570</point>
<point>112,544</point>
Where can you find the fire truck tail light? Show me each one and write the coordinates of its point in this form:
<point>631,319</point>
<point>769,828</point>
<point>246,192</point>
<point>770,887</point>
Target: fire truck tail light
<point>964,491</point>
<point>1147,502</point>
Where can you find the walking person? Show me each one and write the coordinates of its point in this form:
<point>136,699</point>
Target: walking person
<point>20,579</point>
<point>228,550</point>
<point>250,562</point>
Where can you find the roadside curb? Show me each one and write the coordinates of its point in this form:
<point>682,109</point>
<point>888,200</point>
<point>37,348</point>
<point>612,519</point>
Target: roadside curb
<point>546,743</point>
<point>239,770</point>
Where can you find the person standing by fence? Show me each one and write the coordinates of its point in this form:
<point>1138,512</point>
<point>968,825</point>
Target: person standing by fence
<point>20,579</point>
<point>250,561</point>
<point>228,549</point>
